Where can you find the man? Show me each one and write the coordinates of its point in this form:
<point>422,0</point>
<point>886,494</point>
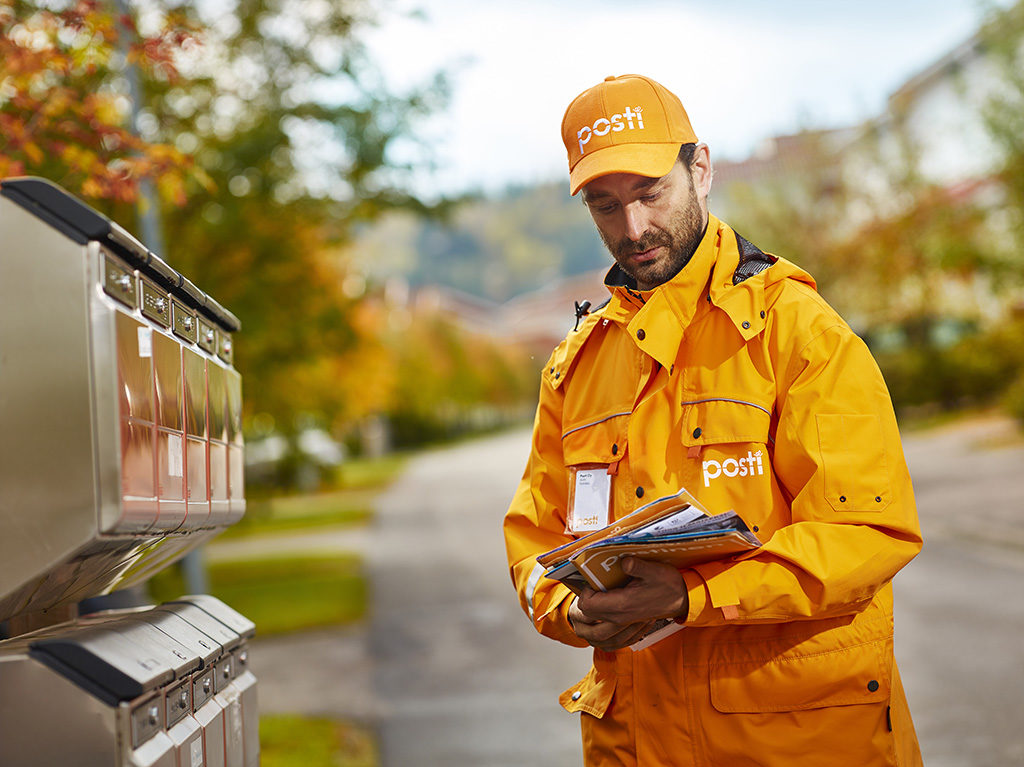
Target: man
<point>717,368</point>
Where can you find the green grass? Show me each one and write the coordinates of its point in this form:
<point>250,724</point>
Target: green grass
<point>303,512</point>
<point>359,483</point>
<point>370,472</point>
<point>295,741</point>
<point>281,594</point>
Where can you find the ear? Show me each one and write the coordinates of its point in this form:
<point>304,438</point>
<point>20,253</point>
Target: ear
<point>701,170</point>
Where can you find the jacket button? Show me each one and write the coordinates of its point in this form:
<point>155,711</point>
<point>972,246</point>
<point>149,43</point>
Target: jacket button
<point>639,492</point>
<point>878,499</point>
<point>872,686</point>
<point>746,325</point>
<point>641,334</point>
<point>762,314</point>
<point>842,499</point>
<point>615,449</point>
<point>696,433</point>
<point>577,695</point>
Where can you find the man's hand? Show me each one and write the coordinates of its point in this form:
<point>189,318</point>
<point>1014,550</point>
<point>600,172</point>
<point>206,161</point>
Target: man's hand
<point>602,634</point>
<point>656,591</point>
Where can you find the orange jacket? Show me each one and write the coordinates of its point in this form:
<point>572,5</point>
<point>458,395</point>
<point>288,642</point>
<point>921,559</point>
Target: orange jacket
<point>756,397</point>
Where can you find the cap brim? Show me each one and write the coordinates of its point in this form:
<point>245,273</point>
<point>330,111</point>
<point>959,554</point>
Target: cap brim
<point>652,160</point>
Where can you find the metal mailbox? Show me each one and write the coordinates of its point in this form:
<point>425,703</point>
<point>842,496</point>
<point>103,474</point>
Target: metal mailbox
<point>121,450</point>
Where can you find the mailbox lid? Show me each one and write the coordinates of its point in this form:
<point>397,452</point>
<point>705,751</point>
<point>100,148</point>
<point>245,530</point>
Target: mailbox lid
<point>105,663</point>
<point>226,637</point>
<point>217,609</point>
<point>205,647</point>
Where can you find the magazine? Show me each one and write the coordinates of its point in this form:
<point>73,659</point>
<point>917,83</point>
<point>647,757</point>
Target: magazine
<point>674,529</point>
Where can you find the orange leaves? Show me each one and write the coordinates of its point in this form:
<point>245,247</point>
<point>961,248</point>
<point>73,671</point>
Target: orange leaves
<point>64,109</point>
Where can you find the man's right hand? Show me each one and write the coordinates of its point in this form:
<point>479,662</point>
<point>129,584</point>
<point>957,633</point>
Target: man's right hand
<point>605,635</point>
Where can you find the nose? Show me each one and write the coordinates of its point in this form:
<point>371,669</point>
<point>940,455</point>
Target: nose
<point>636,221</point>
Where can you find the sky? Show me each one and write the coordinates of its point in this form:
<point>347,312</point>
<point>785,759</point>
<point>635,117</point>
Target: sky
<point>745,70</point>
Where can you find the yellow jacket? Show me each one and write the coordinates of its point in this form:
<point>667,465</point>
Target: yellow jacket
<point>756,397</point>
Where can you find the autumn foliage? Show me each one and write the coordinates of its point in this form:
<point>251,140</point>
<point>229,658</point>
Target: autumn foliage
<point>64,105</point>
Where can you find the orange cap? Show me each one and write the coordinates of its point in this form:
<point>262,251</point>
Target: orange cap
<point>627,124</point>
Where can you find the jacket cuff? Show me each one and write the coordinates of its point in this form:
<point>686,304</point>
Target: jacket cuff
<point>555,623</point>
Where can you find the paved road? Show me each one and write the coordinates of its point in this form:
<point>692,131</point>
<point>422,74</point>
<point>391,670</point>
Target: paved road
<point>462,677</point>
<point>960,604</point>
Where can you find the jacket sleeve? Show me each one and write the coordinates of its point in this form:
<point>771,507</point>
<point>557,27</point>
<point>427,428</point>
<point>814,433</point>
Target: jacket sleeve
<point>840,466</point>
<point>535,523</point>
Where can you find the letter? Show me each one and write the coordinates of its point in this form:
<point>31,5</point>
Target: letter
<point>602,132</point>
<point>628,114</point>
<point>760,470</point>
<point>639,117</point>
<point>580,136</point>
<point>743,467</point>
<point>607,562</point>
<point>725,467</point>
<point>711,463</point>
<point>617,123</point>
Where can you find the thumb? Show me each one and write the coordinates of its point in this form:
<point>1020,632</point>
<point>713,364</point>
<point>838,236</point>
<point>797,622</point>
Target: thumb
<point>634,567</point>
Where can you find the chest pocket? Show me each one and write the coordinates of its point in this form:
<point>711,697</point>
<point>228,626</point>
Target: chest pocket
<point>727,446</point>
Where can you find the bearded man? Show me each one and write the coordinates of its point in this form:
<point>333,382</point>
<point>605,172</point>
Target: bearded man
<point>717,368</point>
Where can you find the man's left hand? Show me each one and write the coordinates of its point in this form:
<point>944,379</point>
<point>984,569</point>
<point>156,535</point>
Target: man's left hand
<point>656,590</point>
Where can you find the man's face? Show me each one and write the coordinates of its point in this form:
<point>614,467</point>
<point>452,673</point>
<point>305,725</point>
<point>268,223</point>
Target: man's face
<point>652,226</point>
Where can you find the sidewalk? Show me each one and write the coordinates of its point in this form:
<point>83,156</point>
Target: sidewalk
<point>969,479</point>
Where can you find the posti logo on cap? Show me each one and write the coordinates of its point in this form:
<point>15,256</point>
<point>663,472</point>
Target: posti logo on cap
<point>626,124</point>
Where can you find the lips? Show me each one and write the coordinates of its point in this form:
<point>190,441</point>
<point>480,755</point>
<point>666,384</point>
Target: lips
<point>646,255</point>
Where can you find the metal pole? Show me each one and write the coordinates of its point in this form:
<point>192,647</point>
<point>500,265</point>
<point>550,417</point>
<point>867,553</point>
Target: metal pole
<point>149,203</point>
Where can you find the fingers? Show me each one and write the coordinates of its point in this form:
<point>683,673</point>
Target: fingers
<point>622,637</point>
<point>656,590</point>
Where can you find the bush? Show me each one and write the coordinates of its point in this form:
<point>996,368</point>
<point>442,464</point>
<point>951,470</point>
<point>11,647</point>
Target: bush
<point>977,370</point>
<point>1013,400</point>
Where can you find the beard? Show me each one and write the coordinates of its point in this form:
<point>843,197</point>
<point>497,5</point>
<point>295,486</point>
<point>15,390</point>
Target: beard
<point>680,238</point>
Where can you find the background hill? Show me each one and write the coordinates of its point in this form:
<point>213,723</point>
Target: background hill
<point>495,248</point>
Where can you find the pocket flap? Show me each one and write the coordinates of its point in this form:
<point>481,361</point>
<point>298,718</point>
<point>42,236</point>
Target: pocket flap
<point>843,677</point>
<point>601,440</point>
<point>591,694</point>
<point>719,420</point>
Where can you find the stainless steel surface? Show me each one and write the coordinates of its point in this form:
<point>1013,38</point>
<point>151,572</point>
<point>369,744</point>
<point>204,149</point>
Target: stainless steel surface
<point>120,433</point>
<point>114,689</point>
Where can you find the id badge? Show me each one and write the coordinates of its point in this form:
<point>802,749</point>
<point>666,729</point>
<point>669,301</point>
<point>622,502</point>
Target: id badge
<point>590,493</point>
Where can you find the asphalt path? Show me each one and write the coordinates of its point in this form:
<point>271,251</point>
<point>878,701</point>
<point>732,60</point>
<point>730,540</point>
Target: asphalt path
<point>461,679</point>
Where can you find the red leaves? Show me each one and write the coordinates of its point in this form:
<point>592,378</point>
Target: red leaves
<point>62,110</point>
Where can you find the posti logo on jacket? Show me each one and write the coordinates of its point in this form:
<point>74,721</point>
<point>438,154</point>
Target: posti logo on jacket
<point>748,466</point>
<point>628,119</point>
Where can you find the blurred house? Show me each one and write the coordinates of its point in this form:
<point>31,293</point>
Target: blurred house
<point>932,142</point>
<point>537,320</point>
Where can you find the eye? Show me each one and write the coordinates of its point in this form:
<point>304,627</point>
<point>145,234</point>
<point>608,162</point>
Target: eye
<point>652,197</point>
<point>603,209</point>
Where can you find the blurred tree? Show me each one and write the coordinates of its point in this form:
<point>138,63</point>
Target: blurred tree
<point>1003,38</point>
<point>293,124</point>
<point>63,102</point>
